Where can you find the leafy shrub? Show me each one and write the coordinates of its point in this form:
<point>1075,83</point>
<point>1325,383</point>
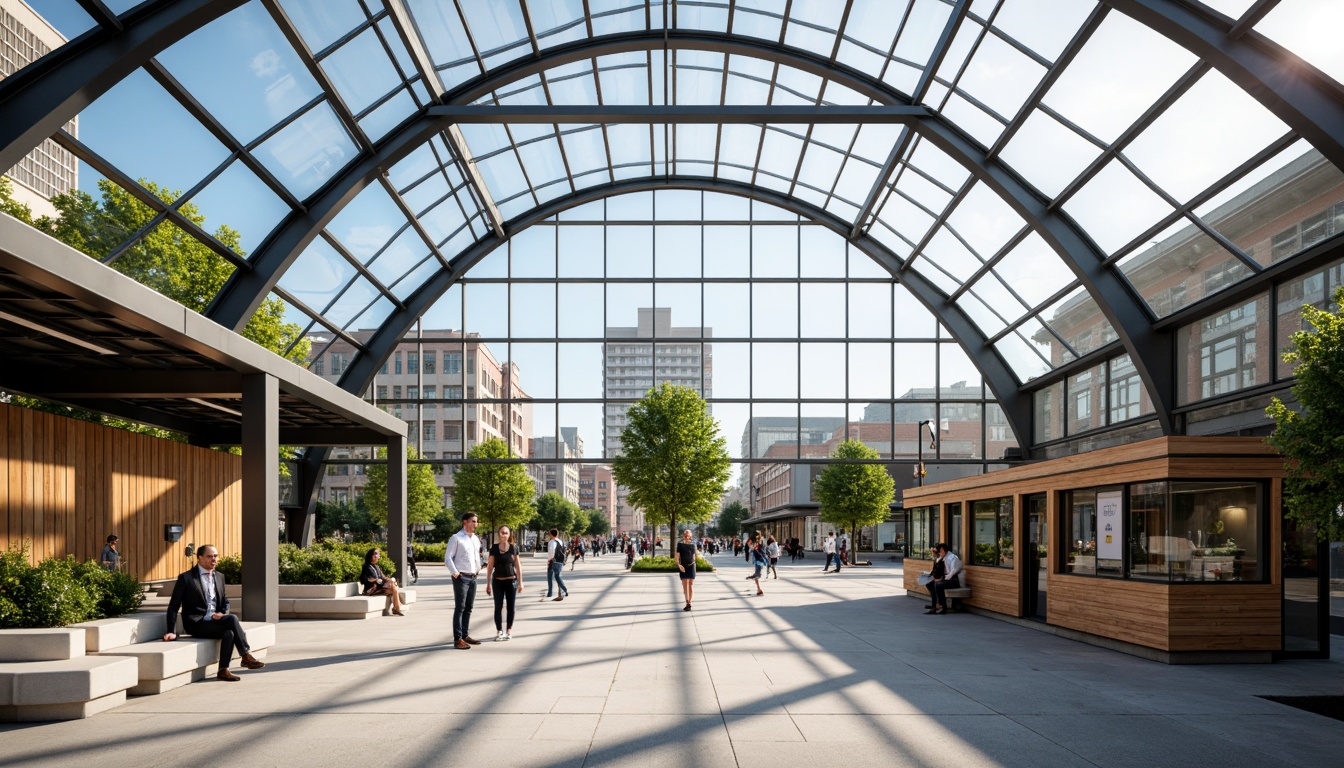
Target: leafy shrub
<point>122,594</point>
<point>358,549</point>
<point>665,564</point>
<point>13,566</point>
<point>61,591</point>
<point>430,553</point>
<point>231,566</point>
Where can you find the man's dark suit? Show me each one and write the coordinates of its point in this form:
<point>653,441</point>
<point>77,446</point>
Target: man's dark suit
<point>189,597</point>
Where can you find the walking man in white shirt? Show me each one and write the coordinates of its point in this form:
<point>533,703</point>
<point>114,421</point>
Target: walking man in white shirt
<point>463,558</point>
<point>555,566</point>
<point>828,546</point>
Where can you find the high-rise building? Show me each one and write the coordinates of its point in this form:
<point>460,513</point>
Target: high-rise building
<point>635,361</point>
<point>449,389</point>
<point>50,169</point>
<point>561,477</point>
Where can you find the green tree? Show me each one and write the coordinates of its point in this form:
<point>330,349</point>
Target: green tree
<point>499,493</point>
<point>423,497</point>
<point>446,522</point>
<point>853,495</point>
<point>674,461</point>
<point>554,511</point>
<point>598,524</point>
<point>1312,439</point>
<point>730,519</point>
<point>335,520</point>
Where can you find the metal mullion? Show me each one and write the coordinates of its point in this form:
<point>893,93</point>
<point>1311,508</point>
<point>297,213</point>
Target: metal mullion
<point>670,97</point>
<point>331,47</point>
<point>992,261</point>
<point>848,155</point>
<point>418,264</point>
<point>285,123</point>
<point>531,31</point>
<point>723,101</point>
<point>307,331</point>
<point>1052,74</point>
<point>648,59</point>
<point>334,98</point>
<point>760,145</point>
<point>103,15</point>
<point>392,56</point>
<point>938,222</point>
<point>559,141</point>
<point>588,18</point>
<point>471,41</point>
<point>1034,314</point>
<point>1177,214</point>
<point>1250,17</point>
<point>381,100</point>
<point>411,217</point>
<point>337,246</point>
<point>1182,84</point>
<point>606,139</point>
<point>954,21</point>
<point>839,30</point>
<point>317,316</point>
<point>1067,123</point>
<point>222,134</point>
<point>1072,368</point>
<point>115,175</point>
<point>168,211</point>
<point>455,191</point>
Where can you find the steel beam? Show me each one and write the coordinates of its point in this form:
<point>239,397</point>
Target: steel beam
<point>1300,95</point>
<point>662,114</point>
<point>310,436</point>
<point>261,497</point>
<point>396,504</point>
<point>38,100</point>
<point>60,384</point>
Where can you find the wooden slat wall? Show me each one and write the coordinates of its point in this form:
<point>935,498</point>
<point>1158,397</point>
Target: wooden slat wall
<point>66,484</point>
<point>1133,611</point>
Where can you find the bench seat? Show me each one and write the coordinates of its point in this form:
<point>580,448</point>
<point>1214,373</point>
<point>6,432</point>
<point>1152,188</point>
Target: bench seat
<point>351,607</point>
<point>165,666</point>
<point>65,689</point>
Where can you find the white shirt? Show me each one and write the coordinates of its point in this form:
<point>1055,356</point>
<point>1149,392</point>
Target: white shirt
<point>551,546</point>
<point>952,564</point>
<point>828,546</point>
<point>772,549</point>
<point>208,586</point>
<point>463,554</point>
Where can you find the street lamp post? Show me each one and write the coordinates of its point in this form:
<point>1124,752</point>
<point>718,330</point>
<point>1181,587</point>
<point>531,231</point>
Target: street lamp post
<point>919,443</point>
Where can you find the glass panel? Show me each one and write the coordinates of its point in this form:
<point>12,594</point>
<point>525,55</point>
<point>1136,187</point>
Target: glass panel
<point>487,309</point>
<point>823,371</point>
<point>239,199</point>
<point>1048,154</point>
<point>774,371</point>
<point>1316,289</point>
<point>774,310</point>
<point>1086,406</point>
<point>727,310</point>
<point>1182,266</point>
<point>308,152</point>
<point>992,532</point>
<point>581,310</point>
<point>1220,526</point>
<point>1301,27</point>
<point>582,251</point>
<point>629,250</point>
<point>916,369</point>
<point>1115,207</point>
<point>532,310</point>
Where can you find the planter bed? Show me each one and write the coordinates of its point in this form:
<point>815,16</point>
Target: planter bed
<point>45,675</point>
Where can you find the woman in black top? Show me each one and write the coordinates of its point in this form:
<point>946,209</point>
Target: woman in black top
<point>939,571</point>
<point>686,564</point>
<point>503,579</point>
<point>375,583</point>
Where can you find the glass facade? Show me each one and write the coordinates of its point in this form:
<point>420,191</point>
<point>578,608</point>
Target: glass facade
<point>992,532</point>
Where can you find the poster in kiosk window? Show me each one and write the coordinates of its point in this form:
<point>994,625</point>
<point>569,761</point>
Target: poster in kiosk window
<point>1110,533</point>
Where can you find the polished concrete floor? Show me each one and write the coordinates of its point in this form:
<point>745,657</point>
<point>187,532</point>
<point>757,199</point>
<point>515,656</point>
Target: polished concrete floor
<point>823,670</point>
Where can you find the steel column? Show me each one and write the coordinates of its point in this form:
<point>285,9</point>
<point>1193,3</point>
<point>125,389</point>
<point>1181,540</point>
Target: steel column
<point>396,505</point>
<point>261,497</point>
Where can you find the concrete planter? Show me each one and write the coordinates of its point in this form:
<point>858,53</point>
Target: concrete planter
<point>55,644</point>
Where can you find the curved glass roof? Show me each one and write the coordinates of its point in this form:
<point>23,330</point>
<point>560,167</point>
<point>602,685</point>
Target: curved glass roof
<point>1058,191</point>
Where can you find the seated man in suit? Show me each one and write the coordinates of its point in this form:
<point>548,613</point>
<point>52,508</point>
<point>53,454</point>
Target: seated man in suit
<point>199,594</point>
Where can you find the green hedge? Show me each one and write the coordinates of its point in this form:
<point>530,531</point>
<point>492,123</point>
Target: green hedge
<point>326,562</point>
<point>665,564</point>
<point>57,592</point>
<point>430,553</point>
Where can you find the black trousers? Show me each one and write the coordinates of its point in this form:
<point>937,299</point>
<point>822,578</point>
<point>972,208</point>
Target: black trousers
<point>464,597</point>
<point>506,593</point>
<point>229,633</point>
<point>939,590</point>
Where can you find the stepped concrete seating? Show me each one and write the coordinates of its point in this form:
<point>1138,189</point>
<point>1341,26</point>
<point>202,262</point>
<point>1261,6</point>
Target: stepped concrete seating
<point>45,675</point>
<point>329,601</point>
<point>164,666</point>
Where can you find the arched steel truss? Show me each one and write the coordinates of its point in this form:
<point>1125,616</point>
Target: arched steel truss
<point>37,101</point>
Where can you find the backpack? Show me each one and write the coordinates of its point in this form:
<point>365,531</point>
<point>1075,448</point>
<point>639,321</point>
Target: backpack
<point>560,552</point>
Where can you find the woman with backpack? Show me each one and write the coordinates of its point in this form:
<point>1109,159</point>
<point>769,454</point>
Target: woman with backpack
<point>758,559</point>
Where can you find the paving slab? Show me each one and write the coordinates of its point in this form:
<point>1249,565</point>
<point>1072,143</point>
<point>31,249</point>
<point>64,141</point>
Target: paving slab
<point>819,670</point>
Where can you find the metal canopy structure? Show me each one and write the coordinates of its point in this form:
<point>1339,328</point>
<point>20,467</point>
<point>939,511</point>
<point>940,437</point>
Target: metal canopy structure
<point>1054,199</point>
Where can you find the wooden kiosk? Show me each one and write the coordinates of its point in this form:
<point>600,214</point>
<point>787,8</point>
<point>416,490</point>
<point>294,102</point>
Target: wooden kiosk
<point>1169,548</point>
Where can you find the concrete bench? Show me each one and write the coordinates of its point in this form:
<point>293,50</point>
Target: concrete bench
<point>350,607</point>
<point>45,675</point>
<point>164,666</point>
<point>956,596</point>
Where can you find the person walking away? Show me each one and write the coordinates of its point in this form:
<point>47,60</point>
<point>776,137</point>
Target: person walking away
<point>463,558</point>
<point>758,560</point>
<point>686,565</point>
<point>842,549</point>
<point>772,552</point>
<point>199,594</point>
<point>950,580</point>
<point>503,578</point>
<point>410,561</point>
<point>111,558</point>
<point>555,565</point>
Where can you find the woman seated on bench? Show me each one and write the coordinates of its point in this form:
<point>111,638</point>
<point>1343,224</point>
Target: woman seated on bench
<point>375,583</point>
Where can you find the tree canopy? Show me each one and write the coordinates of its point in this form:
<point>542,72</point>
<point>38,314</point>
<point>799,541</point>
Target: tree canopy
<point>499,494</point>
<point>598,524</point>
<point>554,511</point>
<point>674,461</point>
<point>853,495</point>
<point>1312,439</point>
<point>730,519</point>
<point>423,497</point>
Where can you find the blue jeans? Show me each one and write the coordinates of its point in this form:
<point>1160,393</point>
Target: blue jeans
<point>553,571</point>
<point>464,594</point>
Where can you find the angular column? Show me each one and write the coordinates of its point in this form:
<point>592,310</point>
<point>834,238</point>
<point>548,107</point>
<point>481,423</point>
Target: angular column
<point>396,505</point>
<point>261,497</point>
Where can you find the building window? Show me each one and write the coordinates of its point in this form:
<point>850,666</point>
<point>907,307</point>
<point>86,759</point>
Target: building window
<point>992,532</point>
<point>412,392</point>
<point>431,361</point>
<point>380,392</point>
<point>317,366</point>
<point>431,394</point>
<point>412,362</point>
<point>954,529</point>
<point>452,431</point>
<point>452,362</point>
<point>452,393</point>
<point>1093,531</point>
<point>471,363</point>
<point>339,360</point>
<point>431,431</point>
<point>396,392</point>
<point>396,362</point>
<point>923,532</point>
